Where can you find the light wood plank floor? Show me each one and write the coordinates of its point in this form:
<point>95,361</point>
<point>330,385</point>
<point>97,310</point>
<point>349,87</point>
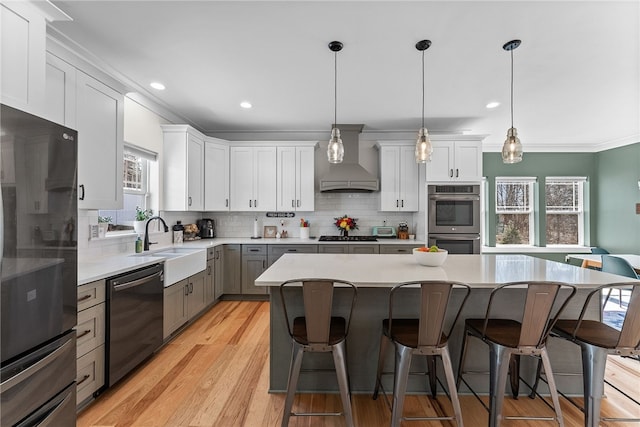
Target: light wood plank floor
<point>216,373</point>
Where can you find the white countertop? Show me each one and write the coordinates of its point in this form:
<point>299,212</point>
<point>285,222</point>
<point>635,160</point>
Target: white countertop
<point>103,267</point>
<point>388,270</point>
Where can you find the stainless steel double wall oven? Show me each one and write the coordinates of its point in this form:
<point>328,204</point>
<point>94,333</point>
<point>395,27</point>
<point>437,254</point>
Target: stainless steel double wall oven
<point>454,217</point>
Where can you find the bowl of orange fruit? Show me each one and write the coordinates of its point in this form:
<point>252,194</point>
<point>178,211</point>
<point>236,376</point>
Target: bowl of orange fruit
<point>430,256</point>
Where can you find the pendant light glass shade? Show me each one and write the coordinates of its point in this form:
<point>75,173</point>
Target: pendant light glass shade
<point>423,143</point>
<point>423,147</point>
<point>512,148</point>
<point>335,150</point>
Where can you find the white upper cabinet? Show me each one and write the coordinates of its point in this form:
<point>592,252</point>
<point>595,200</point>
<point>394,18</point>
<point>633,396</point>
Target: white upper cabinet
<point>295,181</point>
<point>216,175</point>
<point>253,178</point>
<point>60,92</point>
<point>23,48</point>
<point>100,117</point>
<point>455,161</point>
<point>183,161</point>
<point>399,178</point>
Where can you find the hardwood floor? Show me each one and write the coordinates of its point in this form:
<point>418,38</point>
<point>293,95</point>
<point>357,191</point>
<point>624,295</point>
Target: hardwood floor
<point>216,373</point>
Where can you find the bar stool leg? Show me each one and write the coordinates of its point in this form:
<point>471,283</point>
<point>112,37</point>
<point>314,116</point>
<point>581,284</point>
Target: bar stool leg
<point>292,385</point>
<point>594,361</point>
<point>463,352</point>
<point>340,361</point>
<point>514,374</point>
<point>552,386</point>
<point>384,342</point>
<point>403,363</point>
<point>431,363</point>
<point>451,384</point>
<point>498,371</point>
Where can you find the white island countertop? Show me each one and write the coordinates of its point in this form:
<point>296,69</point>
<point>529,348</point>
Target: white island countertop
<point>387,270</point>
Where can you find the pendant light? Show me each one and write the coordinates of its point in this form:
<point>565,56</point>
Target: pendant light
<point>335,150</point>
<point>423,144</point>
<point>512,148</point>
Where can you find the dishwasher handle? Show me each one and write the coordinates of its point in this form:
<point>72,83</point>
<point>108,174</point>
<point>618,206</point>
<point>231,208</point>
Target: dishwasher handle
<point>127,285</point>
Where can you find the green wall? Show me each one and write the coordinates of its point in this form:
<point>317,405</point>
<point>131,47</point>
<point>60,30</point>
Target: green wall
<point>541,165</point>
<point>617,192</point>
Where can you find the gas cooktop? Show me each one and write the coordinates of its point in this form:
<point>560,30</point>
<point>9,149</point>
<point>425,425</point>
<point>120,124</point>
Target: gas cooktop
<point>347,239</point>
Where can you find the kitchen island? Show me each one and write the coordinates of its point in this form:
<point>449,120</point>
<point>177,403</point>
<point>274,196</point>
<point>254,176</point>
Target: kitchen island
<point>374,275</point>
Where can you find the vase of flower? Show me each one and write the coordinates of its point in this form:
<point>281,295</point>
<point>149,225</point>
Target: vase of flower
<point>345,224</point>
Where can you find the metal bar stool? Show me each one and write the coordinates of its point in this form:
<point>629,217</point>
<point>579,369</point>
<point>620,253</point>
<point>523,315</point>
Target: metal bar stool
<point>422,336</point>
<point>318,331</point>
<point>507,338</point>
<point>597,340</point>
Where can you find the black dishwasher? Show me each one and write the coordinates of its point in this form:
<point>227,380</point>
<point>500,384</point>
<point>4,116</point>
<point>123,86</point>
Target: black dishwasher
<point>134,319</point>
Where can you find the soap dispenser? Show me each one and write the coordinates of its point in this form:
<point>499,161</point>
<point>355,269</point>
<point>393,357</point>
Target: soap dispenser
<point>138,245</point>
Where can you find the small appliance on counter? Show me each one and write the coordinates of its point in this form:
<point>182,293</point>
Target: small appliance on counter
<point>207,228</point>
<point>403,230</point>
<point>384,231</point>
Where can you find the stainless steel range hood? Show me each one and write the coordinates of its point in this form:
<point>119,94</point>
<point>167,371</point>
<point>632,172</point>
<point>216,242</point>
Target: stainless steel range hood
<point>349,176</point>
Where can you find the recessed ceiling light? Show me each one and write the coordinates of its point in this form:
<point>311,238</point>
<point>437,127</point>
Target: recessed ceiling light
<point>246,104</point>
<point>493,104</point>
<point>157,85</point>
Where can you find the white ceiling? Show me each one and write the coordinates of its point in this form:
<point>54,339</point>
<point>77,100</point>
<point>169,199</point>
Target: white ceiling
<point>577,71</point>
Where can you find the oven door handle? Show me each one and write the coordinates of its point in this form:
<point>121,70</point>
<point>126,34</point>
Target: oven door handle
<point>135,283</point>
<point>455,236</point>
<point>472,197</point>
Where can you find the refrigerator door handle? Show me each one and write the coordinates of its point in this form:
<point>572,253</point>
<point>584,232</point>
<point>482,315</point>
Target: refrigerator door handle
<point>37,366</point>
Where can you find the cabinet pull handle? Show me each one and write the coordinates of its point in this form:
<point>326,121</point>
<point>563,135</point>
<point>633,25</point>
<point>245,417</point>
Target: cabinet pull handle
<point>263,264</point>
<point>254,250</point>
<point>450,173</point>
<point>209,270</point>
<point>186,290</point>
<point>226,203</point>
<point>81,192</point>
<point>402,203</point>
<point>255,203</point>
<point>457,172</point>
<point>86,332</point>
<point>292,250</point>
<point>189,200</point>
<point>84,378</point>
<point>190,288</point>
<point>250,203</point>
<point>298,203</point>
<point>85,297</point>
<point>293,203</point>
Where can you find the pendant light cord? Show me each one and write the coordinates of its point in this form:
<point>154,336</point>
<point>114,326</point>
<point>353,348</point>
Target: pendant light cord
<point>423,88</point>
<point>512,88</point>
<point>335,88</point>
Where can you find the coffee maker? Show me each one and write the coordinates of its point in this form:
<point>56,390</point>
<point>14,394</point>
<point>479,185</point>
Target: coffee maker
<point>207,228</point>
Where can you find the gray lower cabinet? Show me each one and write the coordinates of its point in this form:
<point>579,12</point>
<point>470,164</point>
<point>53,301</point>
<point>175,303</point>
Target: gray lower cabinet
<point>349,249</point>
<point>232,271</point>
<point>254,263</point>
<point>90,340</point>
<point>183,301</point>
<point>213,287</point>
<point>218,271</point>
<point>398,249</point>
<point>276,251</point>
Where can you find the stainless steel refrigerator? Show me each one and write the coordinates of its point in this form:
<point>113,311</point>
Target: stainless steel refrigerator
<point>38,281</point>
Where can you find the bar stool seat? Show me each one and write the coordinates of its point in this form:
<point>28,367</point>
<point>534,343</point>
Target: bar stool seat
<point>422,336</point>
<point>509,339</point>
<point>319,331</point>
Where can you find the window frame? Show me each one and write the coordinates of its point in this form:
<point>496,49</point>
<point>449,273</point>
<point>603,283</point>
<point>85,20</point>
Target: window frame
<point>579,208</point>
<point>529,210</point>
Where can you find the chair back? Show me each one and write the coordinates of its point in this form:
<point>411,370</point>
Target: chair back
<point>540,304</point>
<point>317,297</point>
<point>616,265</point>
<point>434,300</point>
<point>599,251</point>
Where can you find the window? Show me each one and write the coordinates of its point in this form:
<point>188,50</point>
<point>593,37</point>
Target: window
<point>514,209</point>
<point>136,191</point>
<point>564,202</point>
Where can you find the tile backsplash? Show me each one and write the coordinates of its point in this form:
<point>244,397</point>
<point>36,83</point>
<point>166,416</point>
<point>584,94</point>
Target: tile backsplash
<point>363,206</point>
